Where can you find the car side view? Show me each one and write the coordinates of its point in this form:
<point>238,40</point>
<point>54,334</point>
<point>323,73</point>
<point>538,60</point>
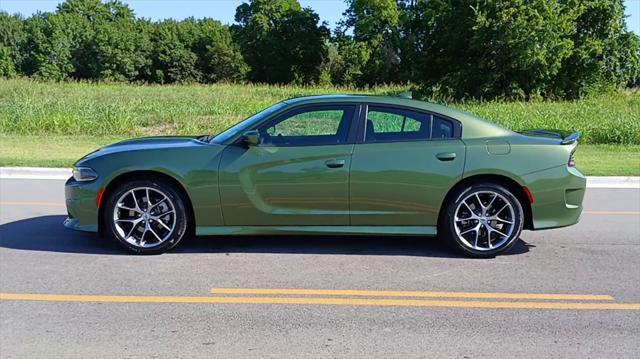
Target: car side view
<point>337,164</point>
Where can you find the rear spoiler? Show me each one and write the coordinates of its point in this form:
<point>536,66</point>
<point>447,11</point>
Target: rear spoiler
<point>571,138</point>
<point>566,138</point>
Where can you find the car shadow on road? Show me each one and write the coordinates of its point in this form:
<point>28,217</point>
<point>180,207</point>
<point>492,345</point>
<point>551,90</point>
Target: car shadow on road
<point>46,233</point>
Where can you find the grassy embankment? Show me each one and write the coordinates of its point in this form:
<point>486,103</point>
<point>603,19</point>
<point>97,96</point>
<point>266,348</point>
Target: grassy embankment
<point>53,124</point>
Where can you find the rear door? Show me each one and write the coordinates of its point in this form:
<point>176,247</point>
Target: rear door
<point>403,165</point>
<point>298,174</point>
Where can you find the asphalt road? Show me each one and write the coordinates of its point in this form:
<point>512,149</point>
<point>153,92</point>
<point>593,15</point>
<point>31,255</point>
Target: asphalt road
<point>73,295</point>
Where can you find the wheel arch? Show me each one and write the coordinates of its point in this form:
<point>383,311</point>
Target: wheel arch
<point>144,174</point>
<point>516,188</point>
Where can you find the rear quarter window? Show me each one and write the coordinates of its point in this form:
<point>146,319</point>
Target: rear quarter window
<point>442,128</point>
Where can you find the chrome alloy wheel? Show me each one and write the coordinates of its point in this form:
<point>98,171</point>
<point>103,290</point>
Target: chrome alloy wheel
<point>484,220</point>
<point>144,217</point>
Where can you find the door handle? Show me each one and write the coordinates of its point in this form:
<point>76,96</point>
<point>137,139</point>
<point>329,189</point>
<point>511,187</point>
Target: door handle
<point>446,156</point>
<point>334,163</point>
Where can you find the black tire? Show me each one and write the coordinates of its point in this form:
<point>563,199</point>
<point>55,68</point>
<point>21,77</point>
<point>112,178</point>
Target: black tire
<point>462,243</point>
<point>169,239</point>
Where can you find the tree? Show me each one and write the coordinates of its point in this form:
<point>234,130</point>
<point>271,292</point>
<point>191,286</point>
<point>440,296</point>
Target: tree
<point>280,41</point>
<point>604,52</point>
<point>518,49</point>
<point>118,54</point>
<point>51,41</point>
<point>219,56</point>
<point>347,61</point>
<point>492,48</point>
<point>375,30</point>
<point>12,38</point>
<point>111,45</point>
<point>172,59</point>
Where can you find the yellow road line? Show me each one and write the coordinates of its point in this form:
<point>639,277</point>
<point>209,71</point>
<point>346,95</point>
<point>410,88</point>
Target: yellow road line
<point>319,301</point>
<point>384,293</point>
<point>35,204</point>
<point>614,213</point>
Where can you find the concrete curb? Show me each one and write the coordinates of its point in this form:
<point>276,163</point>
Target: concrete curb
<point>44,173</point>
<point>41,173</point>
<point>613,182</point>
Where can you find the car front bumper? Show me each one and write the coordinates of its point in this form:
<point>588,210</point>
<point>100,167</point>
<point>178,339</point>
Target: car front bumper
<point>82,209</point>
<point>557,196</point>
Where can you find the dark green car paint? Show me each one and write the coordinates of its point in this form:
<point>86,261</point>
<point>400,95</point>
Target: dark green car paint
<point>367,188</point>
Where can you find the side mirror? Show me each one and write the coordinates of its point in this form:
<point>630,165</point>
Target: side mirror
<point>251,138</point>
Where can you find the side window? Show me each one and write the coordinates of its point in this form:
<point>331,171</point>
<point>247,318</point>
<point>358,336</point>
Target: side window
<point>391,124</point>
<point>442,128</point>
<point>326,125</point>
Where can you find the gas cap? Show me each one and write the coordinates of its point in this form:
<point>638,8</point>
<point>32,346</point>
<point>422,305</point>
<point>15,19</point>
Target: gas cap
<point>498,147</point>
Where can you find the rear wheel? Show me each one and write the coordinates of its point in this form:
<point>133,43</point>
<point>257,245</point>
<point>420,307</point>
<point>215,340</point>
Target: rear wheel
<point>146,216</point>
<point>483,220</point>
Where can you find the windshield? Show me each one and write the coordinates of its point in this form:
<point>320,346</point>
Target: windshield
<point>245,124</point>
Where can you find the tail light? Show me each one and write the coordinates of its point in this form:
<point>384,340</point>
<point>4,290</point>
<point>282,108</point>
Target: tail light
<point>572,161</point>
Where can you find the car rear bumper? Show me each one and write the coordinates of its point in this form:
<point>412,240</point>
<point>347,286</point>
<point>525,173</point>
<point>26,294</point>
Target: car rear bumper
<point>82,210</point>
<point>557,196</point>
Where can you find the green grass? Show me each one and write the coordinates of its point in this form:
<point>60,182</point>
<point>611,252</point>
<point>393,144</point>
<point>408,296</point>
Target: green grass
<point>53,124</point>
<point>63,151</point>
<point>608,160</point>
<point>34,108</point>
<point>611,118</point>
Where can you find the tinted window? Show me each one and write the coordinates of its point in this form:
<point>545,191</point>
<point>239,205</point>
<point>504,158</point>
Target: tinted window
<point>442,128</point>
<point>244,125</point>
<point>312,126</point>
<point>390,124</point>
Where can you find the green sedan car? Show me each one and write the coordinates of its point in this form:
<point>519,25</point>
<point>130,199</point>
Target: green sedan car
<point>333,165</point>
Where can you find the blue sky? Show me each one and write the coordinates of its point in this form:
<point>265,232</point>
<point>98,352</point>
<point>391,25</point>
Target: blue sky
<point>224,10</point>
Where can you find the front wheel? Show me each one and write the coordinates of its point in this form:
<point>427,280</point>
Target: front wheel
<point>146,216</point>
<point>482,220</point>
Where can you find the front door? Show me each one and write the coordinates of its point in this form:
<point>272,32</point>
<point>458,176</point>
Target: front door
<point>297,175</point>
<point>403,168</point>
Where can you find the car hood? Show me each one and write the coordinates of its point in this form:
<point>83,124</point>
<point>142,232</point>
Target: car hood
<point>147,143</point>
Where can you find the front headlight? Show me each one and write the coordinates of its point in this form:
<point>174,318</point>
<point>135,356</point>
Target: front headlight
<point>84,174</point>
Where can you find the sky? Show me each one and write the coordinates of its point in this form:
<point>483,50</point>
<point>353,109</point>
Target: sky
<point>224,10</point>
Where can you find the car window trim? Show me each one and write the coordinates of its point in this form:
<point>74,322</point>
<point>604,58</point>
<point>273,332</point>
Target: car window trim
<point>301,108</point>
<point>364,110</point>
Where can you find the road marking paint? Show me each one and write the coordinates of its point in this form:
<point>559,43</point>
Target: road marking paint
<point>383,293</point>
<point>319,301</point>
<point>614,213</point>
<point>35,204</point>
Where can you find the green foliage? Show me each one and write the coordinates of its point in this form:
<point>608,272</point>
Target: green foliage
<point>521,49</point>
<point>12,37</point>
<point>194,51</point>
<point>467,49</point>
<point>37,108</point>
<point>281,42</point>
<point>50,45</point>
<point>90,39</point>
<point>173,60</point>
<point>348,60</point>
<point>220,58</point>
<point>604,53</point>
<point>7,62</point>
<point>373,54</point>
<point>493,49</point>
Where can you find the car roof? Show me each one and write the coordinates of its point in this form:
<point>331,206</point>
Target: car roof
<point>387,100</point>
<point>474,126</point>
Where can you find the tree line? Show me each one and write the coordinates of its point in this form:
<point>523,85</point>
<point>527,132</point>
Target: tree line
<point>481,49</point>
